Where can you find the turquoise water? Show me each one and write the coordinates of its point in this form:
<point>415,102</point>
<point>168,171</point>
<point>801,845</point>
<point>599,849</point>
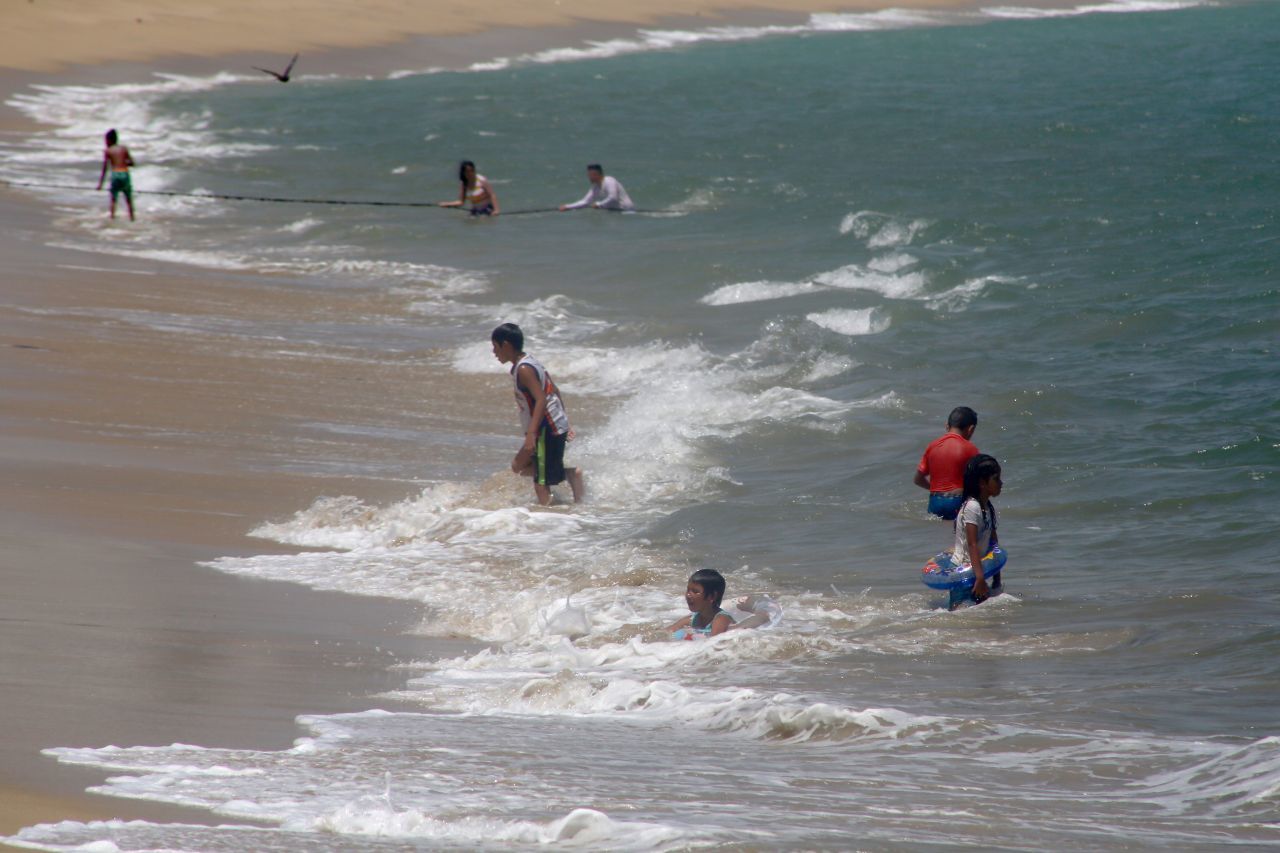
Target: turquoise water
<point>1068,224</point>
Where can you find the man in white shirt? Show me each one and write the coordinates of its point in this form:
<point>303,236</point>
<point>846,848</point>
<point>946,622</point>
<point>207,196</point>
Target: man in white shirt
<point>606,193</point>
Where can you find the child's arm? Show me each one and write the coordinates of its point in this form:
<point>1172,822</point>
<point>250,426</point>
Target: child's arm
<point>102,176</point>
<point>748,604</point>
<point>462,199</point>
<point>721,623</point>
<point>979,579</point>
<point>128,158</point>
<point>683,622</point>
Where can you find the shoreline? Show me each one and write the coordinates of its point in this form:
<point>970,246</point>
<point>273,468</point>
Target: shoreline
<point>250,619</point>
<point>53,35</point>
<point>110,630</point>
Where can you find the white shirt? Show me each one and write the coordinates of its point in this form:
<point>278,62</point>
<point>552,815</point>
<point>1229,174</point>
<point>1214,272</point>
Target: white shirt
<point>609,194</point>
<point>971,513</point>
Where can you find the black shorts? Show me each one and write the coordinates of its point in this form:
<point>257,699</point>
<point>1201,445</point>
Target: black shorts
<point>548,459</point>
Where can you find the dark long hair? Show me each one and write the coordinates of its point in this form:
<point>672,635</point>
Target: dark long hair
<point>976,470</point>
<point>462,170</point>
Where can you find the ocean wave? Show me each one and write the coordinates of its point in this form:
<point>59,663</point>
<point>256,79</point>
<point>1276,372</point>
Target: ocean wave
<point>851,322</point>
<point>1116,6</point>
<point>650,40</point>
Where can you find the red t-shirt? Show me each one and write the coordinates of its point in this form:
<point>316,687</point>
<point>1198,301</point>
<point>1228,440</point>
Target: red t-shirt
<point>944,460</point>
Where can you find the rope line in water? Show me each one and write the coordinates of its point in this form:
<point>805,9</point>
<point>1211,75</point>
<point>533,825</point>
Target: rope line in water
<point>281,200</point>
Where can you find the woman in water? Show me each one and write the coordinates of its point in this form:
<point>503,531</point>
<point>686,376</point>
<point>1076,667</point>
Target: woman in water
<point>476,191</point>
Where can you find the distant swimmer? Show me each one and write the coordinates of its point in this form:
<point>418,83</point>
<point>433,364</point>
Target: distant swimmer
<point>703,595</point>
<point>941,468</point>
<point>476,191</point>
<point>282,76</point>
<point>118,159</point>
<point>605,192</point>
<point>546,423</point>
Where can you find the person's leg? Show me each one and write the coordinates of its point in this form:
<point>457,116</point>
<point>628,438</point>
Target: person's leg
<point>128,199</point>
<point>541,464</point>
<point>575,482</point>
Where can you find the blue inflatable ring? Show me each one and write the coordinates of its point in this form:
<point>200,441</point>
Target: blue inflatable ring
<point>942,572</point>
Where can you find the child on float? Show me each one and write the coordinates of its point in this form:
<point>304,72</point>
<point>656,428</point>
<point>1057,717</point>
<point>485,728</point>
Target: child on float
<point>975,523</point>
<point>703,594</point>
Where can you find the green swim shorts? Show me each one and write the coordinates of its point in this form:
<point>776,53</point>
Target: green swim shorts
<point>121,183</point>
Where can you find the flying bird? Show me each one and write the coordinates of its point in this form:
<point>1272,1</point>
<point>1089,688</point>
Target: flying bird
<point>282,76</point>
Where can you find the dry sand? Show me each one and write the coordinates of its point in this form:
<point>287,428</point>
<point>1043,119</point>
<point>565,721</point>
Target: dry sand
<point>47,35</point>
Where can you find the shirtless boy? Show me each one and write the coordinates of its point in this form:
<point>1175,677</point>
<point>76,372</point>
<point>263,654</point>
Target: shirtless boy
<point>546,424</point>
<point>118,159</point>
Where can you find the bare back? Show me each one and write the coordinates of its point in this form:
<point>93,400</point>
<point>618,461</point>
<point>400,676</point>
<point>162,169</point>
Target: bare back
<point>119,158</point>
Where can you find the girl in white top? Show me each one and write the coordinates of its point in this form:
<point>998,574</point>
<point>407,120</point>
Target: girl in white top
<point>476,191</point>
<point>976,522</point>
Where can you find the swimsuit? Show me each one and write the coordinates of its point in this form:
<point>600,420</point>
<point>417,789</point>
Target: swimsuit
<point>121,183</point>
<point>694,630</point>
<point>481,203</point>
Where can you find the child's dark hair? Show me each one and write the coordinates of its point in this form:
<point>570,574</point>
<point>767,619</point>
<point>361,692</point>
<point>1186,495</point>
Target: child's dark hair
<point>595,167</point>
<point>962,417</point>
<point>112,138</point>
<point>509,333</point>
<point>976,470</point>
<point>462,170</point>
<point>711,581</point>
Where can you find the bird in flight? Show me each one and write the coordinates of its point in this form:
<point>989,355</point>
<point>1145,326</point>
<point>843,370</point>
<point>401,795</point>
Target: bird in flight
<point>282,76</point>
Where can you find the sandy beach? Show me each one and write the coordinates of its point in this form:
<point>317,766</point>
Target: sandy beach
<point>47,35</point>
<point>128,462</point>
<point>130,458</point>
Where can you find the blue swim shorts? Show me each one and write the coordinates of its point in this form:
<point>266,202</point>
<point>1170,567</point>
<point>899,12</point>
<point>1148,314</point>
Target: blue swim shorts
<point>944,505</point>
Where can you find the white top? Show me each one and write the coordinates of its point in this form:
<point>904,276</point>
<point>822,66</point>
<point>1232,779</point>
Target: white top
<point>971,513</point>
<point>609,194</point>
<point>557,419</point>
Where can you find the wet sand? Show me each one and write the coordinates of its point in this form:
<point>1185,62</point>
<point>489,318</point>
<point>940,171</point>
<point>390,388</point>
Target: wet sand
<point>130,456</point>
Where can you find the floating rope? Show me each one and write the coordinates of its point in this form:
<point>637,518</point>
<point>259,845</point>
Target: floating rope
<point>281,200</point>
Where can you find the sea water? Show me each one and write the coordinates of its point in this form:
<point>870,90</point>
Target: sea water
<point>1063,218</point>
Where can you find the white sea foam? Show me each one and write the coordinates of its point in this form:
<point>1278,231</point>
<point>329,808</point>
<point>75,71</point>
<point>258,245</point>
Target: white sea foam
<point>1117,6</point>
<point>302,226</point>
<point>880,230</point>
<point>853,277</point>
<point>81,112</point>
<point>757,291</point>
<point>851,321</point>
<point>646,40</point>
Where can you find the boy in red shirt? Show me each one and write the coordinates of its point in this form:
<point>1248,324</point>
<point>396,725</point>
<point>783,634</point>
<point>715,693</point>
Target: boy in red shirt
<point>941,468</point>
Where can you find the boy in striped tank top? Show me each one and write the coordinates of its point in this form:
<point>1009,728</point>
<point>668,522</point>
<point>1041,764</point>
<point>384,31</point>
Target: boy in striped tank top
<point>546,424</point>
